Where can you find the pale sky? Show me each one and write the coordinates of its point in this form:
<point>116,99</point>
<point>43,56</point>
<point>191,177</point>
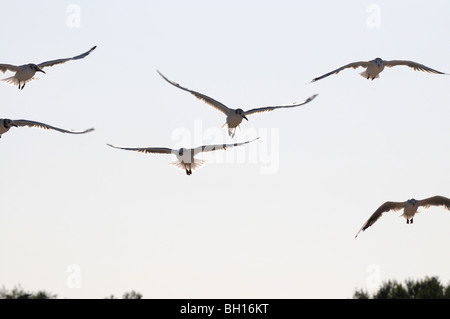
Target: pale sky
<point>276,218</point>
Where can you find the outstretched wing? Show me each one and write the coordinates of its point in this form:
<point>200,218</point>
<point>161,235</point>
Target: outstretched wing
<point>48,127</point>
<point>59,61</point>
<point>146,150</point>
<point>208,100</point>
<point>218,147</point>
<point>350,65</point>
<point>9,67</point>
<point>414,65</point>
<point>386,207</point>
<point>271,108</point>
<point>435,201</point>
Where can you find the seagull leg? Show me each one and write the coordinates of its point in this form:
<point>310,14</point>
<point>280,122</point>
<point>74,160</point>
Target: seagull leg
<point>19,86</point>
<point>188,169</point>
<point>411,220</point>
<point>407,220</point>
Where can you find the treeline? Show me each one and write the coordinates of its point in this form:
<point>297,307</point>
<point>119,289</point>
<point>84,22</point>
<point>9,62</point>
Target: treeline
<point>428,288</point>
<point>19,293</point>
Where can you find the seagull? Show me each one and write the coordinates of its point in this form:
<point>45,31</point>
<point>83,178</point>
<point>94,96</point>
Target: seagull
<point>6,124</point>
<point>185,156</point>
<point>25,73</point>
<point>374,68</point>
<point>234,116</point>
<point>409,209</point>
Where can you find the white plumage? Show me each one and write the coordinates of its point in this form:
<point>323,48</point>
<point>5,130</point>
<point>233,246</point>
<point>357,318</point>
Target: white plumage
<point>234,116</point>
<point>25,73</point>
<point>409,207</point>
<point>186,156</point>
<point>376,66</point>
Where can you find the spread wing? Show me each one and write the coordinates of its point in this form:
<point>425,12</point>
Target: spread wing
<point>435,201</point>
<point>386,207</point>
<point>414,65</point>
<point>350,65</point>
<point>8,67</point>
<point>271,108</point>
<point>59,61</point>
<point>147,150</point>
<point>208,100</point>
<point>48,127</point>
<point>218,147</point>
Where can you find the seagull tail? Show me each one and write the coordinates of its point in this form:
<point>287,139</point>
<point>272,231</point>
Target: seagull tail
<point>197,164</point>
<point>14,81</point>
<point>194,166</point>
<point>366,75</point>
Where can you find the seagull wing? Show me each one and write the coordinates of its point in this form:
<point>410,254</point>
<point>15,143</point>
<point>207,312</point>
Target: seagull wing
<point>59,61</point>
<point>386,207</point>
<point>218,147</point>
<point>208,100</point>
<point>271,108</point>
<point>6,67</point>
<point>414,65</point>
<point>350,65</point>
<point>147,150</point>
<point>435,201</point>
<point>48,127</point>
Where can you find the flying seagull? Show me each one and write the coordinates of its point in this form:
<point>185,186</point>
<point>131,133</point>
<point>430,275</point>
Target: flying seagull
<point>374,68</point>
<point>6,124</point>
<point>25,73</point>
<point>185,156</point>
<point>234,116</point>
<point>409,209</point>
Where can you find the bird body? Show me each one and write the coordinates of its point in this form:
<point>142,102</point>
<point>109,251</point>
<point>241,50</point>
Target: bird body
<point>373,69</point>
<point>25,73</point>
<point>410,209</point>
<point>6,124</point>
<point>186,156</point>
<point>376,66</point>
<point>234,117</point>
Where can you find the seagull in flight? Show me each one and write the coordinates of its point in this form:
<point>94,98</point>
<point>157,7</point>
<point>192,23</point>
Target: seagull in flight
<point>234,116</point>
<point>409,207</point>
<point>25,73</point>
<point>185,156</point>
<point>374,68</point>
<point>6,124</point>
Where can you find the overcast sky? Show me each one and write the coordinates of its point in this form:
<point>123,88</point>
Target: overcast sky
<point>276,218</point>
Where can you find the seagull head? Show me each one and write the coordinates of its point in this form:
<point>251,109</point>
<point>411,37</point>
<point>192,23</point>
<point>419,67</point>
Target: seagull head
<point>7,123</point>
<point>378,61</point>
<point>412,201</point>
<point>35,68</point>
<point>181,151</point>
<point>241,113</point>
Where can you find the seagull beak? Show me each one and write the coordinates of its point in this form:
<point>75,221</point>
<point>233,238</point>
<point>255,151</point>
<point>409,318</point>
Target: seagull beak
<point>14,124</point>
<point>244,117</point>
<point>40,70</point>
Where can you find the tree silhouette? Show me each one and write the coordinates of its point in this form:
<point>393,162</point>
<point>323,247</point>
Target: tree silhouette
<point>428,288</point>
<point>19,293</point>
